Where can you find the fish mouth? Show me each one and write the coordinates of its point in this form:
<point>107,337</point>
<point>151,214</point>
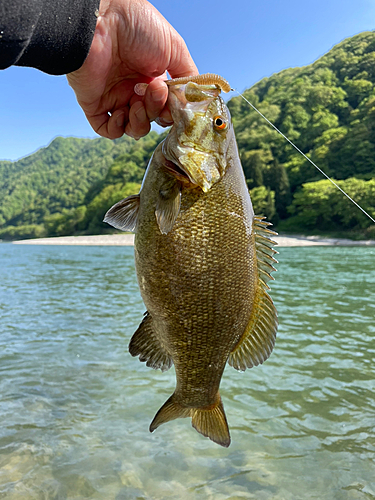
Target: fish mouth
<point>191,95</point>
<point>191,166</point>
<point>178,172</point>
<point>191,159</point>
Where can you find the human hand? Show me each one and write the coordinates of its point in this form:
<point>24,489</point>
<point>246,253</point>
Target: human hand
<point>133,43</point>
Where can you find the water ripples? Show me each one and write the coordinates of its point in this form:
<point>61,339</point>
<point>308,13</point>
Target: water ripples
<point>75,407</point>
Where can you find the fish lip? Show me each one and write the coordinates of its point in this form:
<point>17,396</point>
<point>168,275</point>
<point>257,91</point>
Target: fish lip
<point>174,166</point>
<point>181,96</point>
<point>177,170</point>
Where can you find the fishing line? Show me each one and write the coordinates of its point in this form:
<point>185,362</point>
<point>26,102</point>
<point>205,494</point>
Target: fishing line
<point>303,154</point>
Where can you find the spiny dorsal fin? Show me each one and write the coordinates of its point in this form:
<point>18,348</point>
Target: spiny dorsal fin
<point>264,248</point>
<point>258,340</point>
<point>124,215</point>
<point>168,206</point>
<point>147,346</point>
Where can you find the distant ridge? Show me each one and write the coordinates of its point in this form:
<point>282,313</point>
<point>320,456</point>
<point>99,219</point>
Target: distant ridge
<point>327,108</point>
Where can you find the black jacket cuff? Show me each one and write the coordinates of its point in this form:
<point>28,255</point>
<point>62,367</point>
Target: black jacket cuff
<point>53,36</point>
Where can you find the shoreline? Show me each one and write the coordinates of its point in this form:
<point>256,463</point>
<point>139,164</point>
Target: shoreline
<point>128,240</point>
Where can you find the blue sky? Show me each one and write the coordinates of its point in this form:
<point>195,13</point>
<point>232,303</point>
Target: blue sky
<point>242,40</point>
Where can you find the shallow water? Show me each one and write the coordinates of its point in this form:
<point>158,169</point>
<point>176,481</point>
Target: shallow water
<point>75,406</point>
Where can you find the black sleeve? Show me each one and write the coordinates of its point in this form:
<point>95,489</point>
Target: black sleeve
<point>51,35</point>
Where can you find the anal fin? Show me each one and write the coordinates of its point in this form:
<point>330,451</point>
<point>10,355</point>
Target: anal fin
<point>147,346</point>
<point>258,340</point>
<point>124,214</point>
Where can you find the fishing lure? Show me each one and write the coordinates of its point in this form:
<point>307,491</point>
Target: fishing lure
<point>205,79</point>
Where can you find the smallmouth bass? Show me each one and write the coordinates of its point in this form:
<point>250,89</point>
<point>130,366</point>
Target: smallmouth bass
<point>203,260</point>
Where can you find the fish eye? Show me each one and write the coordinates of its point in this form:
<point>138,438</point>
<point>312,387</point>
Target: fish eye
<point>220,123</point>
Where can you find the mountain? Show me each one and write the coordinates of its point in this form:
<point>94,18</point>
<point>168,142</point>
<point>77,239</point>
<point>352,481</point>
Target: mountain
<point>49,192</point>
<point>326,108</point>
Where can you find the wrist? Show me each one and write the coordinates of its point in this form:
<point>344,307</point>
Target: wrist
<point>109,16</point>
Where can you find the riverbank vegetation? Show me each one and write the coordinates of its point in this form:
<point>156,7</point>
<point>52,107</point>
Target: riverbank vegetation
<point>326,108</point>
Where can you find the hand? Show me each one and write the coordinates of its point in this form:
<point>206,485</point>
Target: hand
<point>132,43</point>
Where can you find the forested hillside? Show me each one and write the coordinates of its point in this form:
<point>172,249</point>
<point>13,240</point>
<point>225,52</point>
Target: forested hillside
<point>67,186</point>
<point>326,108</point>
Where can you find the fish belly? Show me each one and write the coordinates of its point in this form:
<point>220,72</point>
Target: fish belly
<point>198,283</point>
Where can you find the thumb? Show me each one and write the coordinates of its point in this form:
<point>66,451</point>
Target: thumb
<point>181,62</point>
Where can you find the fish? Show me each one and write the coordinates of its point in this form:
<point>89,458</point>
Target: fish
<point>203,261</point>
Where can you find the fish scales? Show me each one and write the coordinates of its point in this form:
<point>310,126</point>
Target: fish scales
<point>180,275</point>
<point>196,246</point>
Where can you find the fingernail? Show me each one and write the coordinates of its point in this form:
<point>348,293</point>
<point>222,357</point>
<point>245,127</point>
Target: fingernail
<point>158,94</point>
<point>120,121</point>
<point>163,123</point>
<point>132,135</point>
<point>141,114</point>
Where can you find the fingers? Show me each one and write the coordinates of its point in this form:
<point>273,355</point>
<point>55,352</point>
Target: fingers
<point>165,118</point>
<point>155,98</point>
<point>108,125</point>
<point>116,123</point>
<point>153,106</point>
<point>134,119</point>
<point>139,123</point>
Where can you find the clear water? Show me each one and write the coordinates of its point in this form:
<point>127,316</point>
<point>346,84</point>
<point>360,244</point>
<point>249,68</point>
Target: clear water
<point>75,406</point>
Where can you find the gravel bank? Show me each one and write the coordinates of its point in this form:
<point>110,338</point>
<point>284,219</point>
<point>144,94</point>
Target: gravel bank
<point>128,240</point>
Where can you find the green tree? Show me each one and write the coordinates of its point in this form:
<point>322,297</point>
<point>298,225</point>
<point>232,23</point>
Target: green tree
<point>320,205</point>
<point>253,164</point>
<point>263,201</point>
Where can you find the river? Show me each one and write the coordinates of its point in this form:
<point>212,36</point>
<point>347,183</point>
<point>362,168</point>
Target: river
<point>75,406</point>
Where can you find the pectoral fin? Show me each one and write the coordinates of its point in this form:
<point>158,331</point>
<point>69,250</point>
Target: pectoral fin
<point>147,346</point>
<point>258,340</point>
<point>168,206</point>
<point>124,215</point>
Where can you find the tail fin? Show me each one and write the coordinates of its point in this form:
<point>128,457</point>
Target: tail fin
<point>212,422</point>
<point>169,411</point>
<point>209,421</point>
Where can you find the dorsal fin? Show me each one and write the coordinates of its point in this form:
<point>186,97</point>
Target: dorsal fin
<point>147,346</point>
<point>264,249</point>
<point>124,215</point>
<point>257,342</point>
